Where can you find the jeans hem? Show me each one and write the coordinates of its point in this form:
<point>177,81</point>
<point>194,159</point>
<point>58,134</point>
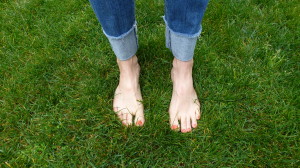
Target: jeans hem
<point>181,45</point>
<point>124,46</point>
<point>182,34</point>
<point>122,35</point>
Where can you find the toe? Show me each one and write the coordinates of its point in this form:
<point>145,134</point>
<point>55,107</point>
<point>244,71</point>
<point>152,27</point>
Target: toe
<point>174,124</point>
<point>139,119</point>
<point>139,123</point>
<point>119,113</point>
<point>188,125</point>
<point>174,127</point>
<point>198,112</point>
<point>183,123</point>
<point>123,118</point>
<point>194,122</point>
<point>128,119</point>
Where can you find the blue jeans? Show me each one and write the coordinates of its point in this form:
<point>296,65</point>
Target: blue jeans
<point>182,18</point>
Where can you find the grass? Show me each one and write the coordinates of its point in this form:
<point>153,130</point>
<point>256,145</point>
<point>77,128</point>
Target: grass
<point>58,75</point>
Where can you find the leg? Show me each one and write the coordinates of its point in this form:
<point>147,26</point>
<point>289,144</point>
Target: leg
<point>118,23</point>
<point>183,26</point>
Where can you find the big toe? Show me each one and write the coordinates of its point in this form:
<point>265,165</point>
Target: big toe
<point>139,119</point>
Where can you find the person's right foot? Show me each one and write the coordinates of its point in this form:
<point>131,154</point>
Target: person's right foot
<point>128,98</point>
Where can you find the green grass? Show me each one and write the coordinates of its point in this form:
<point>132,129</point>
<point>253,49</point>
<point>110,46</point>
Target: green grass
<point>58,75</point>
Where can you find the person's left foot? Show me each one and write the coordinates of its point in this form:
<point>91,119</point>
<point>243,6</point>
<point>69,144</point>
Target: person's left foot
<point>184,106</point>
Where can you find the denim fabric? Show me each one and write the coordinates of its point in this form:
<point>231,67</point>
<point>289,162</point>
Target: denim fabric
<point>183,25</point>
<point>125,46</point>
<point>185,16</point>
<point>181,45</point>
<point>116,16</point>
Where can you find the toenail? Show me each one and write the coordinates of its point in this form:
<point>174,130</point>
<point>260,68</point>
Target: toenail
<point>183,130</point>
<point>174,127</point>
<point>194,125</point>
<point>140,123</point>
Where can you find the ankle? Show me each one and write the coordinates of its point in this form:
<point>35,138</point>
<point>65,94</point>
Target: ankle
<point>181,75</point>
<point>182,70</point>
<point>128,64</point>
<point>129,73</point>
<point>177,64</point>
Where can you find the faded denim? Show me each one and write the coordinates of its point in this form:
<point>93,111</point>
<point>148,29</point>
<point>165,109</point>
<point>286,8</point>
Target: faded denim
<point>182,18</point>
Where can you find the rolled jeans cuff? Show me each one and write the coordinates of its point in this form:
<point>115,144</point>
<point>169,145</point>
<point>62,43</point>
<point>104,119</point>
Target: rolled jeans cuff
<point>181,45</point>
<point>124,46</point>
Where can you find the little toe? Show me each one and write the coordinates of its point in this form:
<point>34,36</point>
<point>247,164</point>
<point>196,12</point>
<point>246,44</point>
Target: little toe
<point>194,122</point>
<point>198,111</point>
<point>198,114</point>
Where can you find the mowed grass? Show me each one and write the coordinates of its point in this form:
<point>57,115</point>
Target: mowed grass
<point>58,75</point>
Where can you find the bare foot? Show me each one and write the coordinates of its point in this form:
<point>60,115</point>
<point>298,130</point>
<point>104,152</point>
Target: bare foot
<point>127,100</point>
<point>184,106</point>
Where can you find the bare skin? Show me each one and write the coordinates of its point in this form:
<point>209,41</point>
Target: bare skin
<point>184,106</point>
<point>127,101</point>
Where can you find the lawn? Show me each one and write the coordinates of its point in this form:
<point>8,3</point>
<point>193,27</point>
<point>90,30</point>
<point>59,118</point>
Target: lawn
<point>58,75</point>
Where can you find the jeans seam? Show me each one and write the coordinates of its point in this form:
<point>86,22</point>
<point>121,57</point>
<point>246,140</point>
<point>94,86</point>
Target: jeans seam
<point>170,40</point>
<point>136,34</point>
